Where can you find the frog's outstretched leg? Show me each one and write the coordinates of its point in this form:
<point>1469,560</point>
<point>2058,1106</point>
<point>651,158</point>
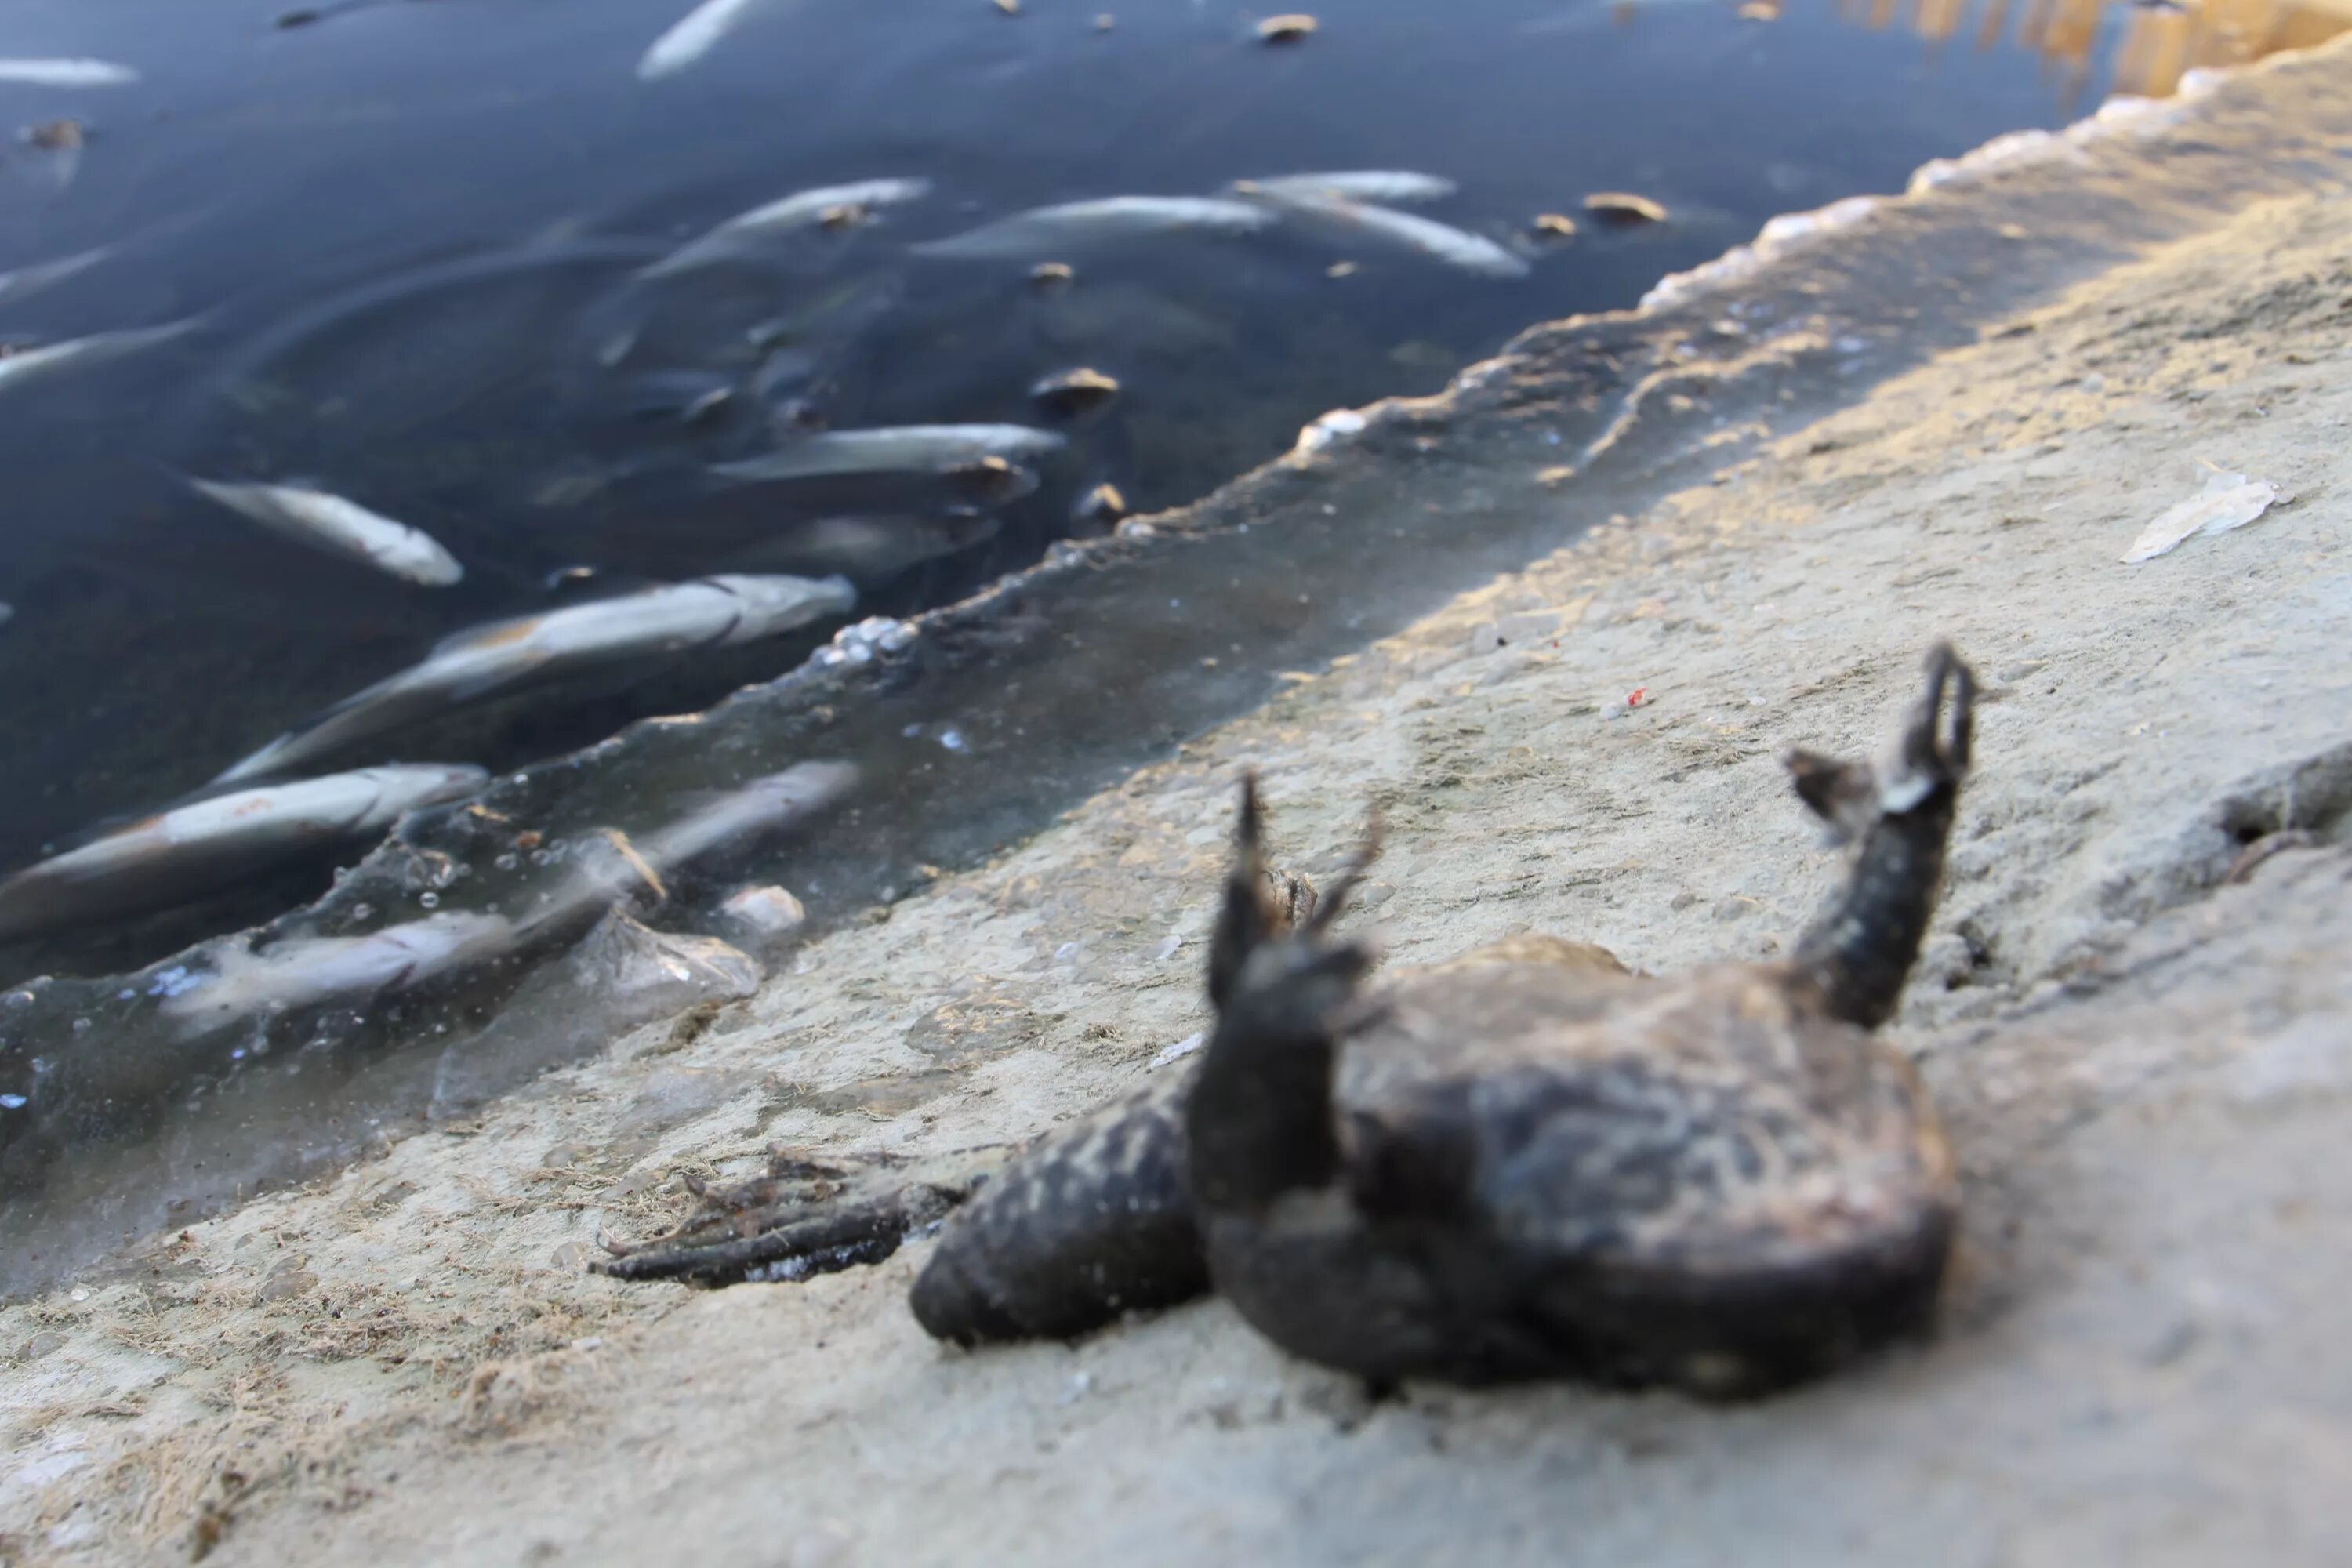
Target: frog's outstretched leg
<point>1096,1217</point>
<point>1861,949</point>
<point>1259,1120</point>
<point>807,1216</point>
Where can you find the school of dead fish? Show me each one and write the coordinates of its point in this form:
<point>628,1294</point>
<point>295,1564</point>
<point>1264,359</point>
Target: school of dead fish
<point>274,802</point>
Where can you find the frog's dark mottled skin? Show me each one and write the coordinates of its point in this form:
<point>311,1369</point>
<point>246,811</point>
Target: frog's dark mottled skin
<point>1526,1163</point>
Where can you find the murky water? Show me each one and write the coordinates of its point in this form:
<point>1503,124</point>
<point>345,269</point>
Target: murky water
<point>407,236</point>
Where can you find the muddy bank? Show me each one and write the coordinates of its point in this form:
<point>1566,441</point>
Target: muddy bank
<point>2144,1061</point>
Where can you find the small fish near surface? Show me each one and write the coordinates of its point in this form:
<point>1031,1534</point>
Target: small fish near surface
<point>902,449</point>
<point>826,205</point>
<point>472,666</point>
<point>1111,220</point>
<point>1426,237</point>
<point>180,854</point>
<point>866,550</point>
<point>1392,185</point>
<point>693,36</point>
<point>21,366</point>
<point>339,527</point>
<point>38,277</point>
<point>82,72</point>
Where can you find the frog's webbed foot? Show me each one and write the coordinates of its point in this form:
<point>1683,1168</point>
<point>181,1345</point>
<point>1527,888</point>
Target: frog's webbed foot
<point>1259,1120</point>
<point>1860,949</point>
<point>807,1216</point>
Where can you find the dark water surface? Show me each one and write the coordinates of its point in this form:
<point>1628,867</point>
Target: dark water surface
<point>406,234</point>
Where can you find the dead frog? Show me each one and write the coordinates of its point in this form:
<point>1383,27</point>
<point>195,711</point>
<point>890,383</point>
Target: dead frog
<point>1524,1163</point>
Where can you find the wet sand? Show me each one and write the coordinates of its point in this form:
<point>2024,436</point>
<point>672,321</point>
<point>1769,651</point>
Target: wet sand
<point>2134,1008</point>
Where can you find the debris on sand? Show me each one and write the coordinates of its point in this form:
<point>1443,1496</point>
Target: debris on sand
<point>2228,500</point>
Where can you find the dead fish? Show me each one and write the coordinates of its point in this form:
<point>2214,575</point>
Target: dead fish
<point>27,281</point>
<point>1073,394</point>
<point>1438,241</point>
<point>176,855</point>
<point>864,549</point>
<point>903,448</point>
<point>707,823</point>
<point>339,527</point>
<point>693,36</point>
<point>1554,225</point>
<point>709,612</point>
<point>82,72</point>
<point>1287,28</point>
<point>304,971</point>
<point>22,365</point>
<point>1354,185</point>
<point>1105,221</point>
<point>1052,277</point>
<point>802,209</point>
<point>1623,209</point>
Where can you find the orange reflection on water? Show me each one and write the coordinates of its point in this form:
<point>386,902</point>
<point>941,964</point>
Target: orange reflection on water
<point>2161,41</point>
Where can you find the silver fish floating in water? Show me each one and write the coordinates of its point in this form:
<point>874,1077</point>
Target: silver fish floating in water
<point>177,854</point>
<point>66,73</point>
<point>1426,237</point>
<point>1353,186</point>
<point>709,611</point>
<point>892,449</point>
<point>27,281</point>
<point>864,549</point>
<point>693,36</point>
<point>802,209</point>
<point>1073,225</point>
<point>339,527</point>
<point>22,365</point>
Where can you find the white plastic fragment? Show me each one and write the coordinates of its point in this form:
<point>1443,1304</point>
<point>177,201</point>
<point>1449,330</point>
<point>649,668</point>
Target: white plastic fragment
<point>2228,500</point>
<point>1180,1050</point>
<point>770,911</point>
<point>1332,426</point>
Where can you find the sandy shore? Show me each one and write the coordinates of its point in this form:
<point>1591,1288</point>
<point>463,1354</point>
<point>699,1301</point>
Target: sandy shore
<point>2141,1033</point>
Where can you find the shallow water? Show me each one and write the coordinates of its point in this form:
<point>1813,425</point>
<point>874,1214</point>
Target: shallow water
<point>408,231</point>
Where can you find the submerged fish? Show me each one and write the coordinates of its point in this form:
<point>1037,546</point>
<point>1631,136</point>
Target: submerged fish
<point>24,364</point>
<point>801,209</point>
<point>1044,230</point>
<point>27,281</point>
<point>693,36</point>
<point>902,449</point>
<point>709,611</point>
<point>66,73</point>
<point>1438,241</point>
<point>865,548</point>
<point>173,857</point>
<point>1354,185</point>
<point>7,612</point>
<point>305,972</point>
<point>339,527</point>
